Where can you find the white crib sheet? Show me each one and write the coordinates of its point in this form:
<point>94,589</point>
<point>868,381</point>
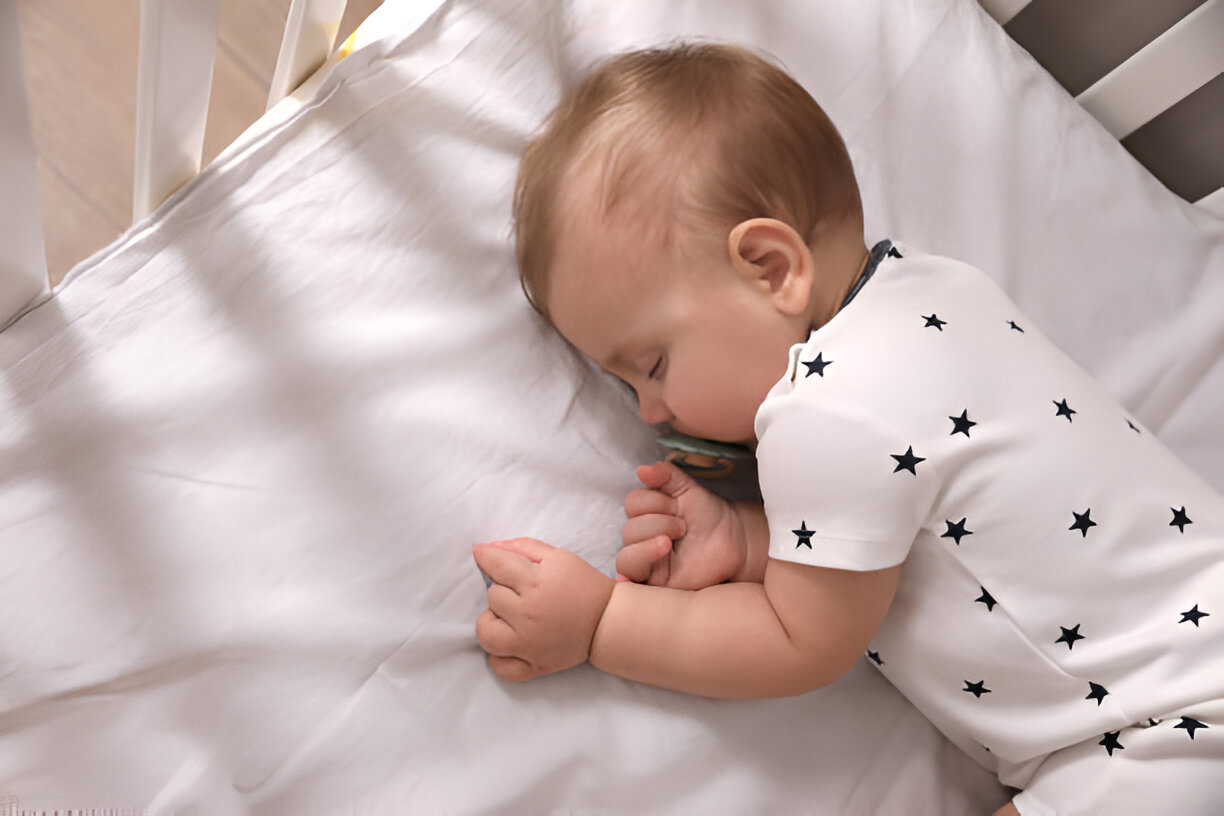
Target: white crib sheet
<point>244,451</point>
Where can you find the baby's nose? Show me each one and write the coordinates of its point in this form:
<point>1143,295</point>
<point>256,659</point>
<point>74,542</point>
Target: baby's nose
<point>654,411</point>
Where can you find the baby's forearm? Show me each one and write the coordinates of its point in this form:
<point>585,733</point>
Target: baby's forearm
<point>756,533</point>
<point>725,641</point>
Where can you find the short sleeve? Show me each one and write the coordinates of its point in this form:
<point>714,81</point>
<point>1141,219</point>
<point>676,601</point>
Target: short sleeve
<point>840,491</point>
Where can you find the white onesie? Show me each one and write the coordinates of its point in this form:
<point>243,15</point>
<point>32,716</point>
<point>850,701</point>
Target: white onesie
<point>1064,573</point>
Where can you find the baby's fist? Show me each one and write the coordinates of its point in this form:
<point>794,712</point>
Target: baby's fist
<point>543,610</point>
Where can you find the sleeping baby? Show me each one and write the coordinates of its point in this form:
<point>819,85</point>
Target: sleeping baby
<point>943,489</point>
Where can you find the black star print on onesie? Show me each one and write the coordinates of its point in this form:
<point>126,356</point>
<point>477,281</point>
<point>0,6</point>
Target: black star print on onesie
<point>976,689</point>
<point>1096,692</point>
<point>1193,615</point>
<point>1082,521</point>
<point>817,366</point>
<point>907,461</point>
<point>986,598</point>
<point>805,536</point>
<point>1189,723</point>
<point>1064,410</point>
<point>1111,742</point>
<point>932,320</point>
<point>1069,636</point>
<point>956,531</point>
<point>1180,519</point>
<point>962,423</point>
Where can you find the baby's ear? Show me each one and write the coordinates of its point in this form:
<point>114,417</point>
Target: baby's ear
<point>773,257</point>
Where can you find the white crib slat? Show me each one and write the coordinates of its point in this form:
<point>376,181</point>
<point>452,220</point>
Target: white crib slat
<point>178,41</point>
<point>310,33</point>
<point>1170,68</point>
<point>23,263</point>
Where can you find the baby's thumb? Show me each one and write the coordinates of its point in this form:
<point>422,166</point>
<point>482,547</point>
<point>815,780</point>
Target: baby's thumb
<point>666,478</point>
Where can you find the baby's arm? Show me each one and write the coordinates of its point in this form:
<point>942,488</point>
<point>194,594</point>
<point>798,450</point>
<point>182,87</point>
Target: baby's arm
<point>803,628</point>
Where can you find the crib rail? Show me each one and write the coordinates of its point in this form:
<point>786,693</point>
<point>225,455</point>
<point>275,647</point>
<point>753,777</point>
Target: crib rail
<point>178,40</point>
<point>1182,60</point>
<point>1151,73</point>
<point>23,265</point>
<point>310,34</point>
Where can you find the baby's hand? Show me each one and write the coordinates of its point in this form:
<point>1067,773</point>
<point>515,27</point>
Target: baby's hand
<point>679,534</point>
<point>543,607</point>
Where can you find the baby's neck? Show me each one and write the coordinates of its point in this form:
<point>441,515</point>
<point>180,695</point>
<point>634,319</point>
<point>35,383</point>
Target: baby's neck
<point>839,258</point>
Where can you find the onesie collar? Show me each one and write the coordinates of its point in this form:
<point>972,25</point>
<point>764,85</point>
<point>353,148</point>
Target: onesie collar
<point>878,253</point>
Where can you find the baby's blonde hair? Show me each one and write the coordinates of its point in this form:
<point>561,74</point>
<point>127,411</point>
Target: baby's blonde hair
<point>705,133</point>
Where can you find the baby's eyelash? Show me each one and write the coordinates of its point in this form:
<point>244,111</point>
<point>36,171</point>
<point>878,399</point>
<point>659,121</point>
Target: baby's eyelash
<point>655,370</point>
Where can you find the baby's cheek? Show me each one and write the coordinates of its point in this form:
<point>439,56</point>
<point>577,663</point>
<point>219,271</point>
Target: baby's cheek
<point>723,416</point>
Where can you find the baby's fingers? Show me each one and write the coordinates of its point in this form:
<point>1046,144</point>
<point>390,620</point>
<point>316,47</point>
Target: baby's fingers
<point>637,561</point>
<point>665,477</point>
<point>501,642</point>
<point>642,501</point>
<point>505,603</point>
<point>512,669</point>
<point>504,566</point>
<point>495,635</point>
<point>641,528</point>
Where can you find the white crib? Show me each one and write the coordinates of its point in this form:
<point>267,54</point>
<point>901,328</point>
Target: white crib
<point>244,450</point>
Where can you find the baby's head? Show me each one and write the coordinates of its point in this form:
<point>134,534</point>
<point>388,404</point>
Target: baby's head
<point>685,141</point>
<point>676,168</point>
